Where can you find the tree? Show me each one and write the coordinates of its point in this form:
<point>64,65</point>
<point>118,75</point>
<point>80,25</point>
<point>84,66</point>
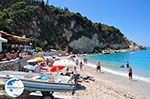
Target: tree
<point>47,2</point>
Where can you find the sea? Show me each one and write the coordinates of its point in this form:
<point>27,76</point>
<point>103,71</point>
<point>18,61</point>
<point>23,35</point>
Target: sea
<point>113,63</point>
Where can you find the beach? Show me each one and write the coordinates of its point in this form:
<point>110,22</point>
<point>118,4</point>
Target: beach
<point>106,86</point>
<point>111,86</point>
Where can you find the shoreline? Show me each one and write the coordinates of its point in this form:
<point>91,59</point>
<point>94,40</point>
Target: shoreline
<point>107,68</point>
<point>110,86</point>
<point>135,89</point>
<point>115,72</point>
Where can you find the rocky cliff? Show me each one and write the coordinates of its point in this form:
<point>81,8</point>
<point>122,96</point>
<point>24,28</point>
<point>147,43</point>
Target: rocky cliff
<point>53,27</point>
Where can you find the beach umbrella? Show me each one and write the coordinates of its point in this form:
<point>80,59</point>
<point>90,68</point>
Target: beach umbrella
<point>31,60</point>
<point>39,59</point>
<point>64,62</point>
<point>29,67</point>
<point>56,68</point>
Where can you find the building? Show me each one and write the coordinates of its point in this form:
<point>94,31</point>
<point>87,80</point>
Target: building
<point>1,41</point>
<point>13,41</point>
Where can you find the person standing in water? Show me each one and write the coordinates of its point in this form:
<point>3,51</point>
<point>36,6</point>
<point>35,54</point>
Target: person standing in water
<point>127,65</point>
<point>130,73</point>
<point>98,67</point>
<point>129,70</point>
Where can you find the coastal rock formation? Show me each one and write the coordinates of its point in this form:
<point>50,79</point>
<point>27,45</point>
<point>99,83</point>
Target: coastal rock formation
<point>52,27</point>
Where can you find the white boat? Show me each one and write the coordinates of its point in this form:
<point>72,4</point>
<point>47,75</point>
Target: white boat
<point>39,82</point>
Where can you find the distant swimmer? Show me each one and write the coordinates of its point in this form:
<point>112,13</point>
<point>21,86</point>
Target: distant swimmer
<point>132,53</point>
<point>122,66</point>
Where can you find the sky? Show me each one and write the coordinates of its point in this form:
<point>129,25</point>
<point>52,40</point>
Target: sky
<point>132,17</point>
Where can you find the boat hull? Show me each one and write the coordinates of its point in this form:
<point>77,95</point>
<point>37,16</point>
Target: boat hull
<point>34,85</point>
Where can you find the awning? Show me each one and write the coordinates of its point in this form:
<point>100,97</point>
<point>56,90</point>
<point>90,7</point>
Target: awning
<point>3,40</point>
<point>14,39</point>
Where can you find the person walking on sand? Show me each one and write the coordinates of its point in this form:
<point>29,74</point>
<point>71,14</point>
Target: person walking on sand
<point>98,67</point>
<point>81,65</point>
<point>77,62</point>
<point>130,73</point>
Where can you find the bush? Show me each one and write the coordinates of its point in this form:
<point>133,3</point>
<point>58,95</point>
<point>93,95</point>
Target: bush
<point>38,49</point>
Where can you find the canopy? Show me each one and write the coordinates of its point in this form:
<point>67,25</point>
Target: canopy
<point>14,39</point>
<point>3,40</point>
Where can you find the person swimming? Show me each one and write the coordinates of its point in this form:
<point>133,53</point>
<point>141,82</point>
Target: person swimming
<point>122,66</point>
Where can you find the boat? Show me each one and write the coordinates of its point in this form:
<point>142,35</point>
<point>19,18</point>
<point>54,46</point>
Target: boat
<point>39,82</point>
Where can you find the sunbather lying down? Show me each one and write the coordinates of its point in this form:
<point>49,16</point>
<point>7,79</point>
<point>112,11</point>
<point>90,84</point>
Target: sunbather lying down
<point>87,78</point>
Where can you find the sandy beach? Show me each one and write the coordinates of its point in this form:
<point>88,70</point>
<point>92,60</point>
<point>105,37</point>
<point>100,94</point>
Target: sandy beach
<point>105,86</point>
<point>117,87</point>
<point>69,49</point>
<point>110,86</point>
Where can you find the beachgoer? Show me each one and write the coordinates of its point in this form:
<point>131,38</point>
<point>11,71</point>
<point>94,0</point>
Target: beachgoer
<point>77,62</point>
<point>130,73</point>
<point>67,72</point>
<point>98,68</point>
<point>127,65</point>
<point>37,69</point>
<point>19,63</point>
<point>81,65</point>
<point>75,70</point>
<point>85,60</point>
<point>122,66</point>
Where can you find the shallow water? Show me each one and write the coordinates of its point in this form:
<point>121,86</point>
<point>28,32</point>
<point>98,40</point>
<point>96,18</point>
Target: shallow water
<point>138,60</point>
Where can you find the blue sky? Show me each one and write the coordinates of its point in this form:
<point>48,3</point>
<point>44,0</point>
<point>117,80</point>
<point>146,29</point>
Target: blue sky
<point>132,17</point>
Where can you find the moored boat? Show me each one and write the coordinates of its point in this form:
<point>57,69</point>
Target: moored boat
<point>39,82</point>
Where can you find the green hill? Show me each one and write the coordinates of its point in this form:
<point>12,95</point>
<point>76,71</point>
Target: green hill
<point>53,27</point>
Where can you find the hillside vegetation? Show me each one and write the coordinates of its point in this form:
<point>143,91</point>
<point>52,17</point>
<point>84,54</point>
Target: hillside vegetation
<point>52,27</point>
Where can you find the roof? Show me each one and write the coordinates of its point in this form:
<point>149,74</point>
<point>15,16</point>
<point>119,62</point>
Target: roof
<point>13,38</point>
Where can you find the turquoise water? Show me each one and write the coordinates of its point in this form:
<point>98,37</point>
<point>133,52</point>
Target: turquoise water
<point>138,60</point>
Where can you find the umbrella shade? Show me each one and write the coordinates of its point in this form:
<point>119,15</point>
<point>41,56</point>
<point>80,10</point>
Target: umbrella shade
<point>64,62</point>
<point>39,59</point>
<point>56,68</point>
<point>31,60</point>
<point>29,67</point>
